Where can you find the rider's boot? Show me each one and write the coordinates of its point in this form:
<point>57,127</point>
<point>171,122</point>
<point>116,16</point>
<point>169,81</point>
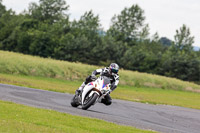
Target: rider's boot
<point>80,89</point>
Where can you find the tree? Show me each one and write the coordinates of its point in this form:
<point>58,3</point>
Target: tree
<point>129,25</point>
<point>42,44</point>
<point>86,36</point>
<point>143,57</point>
<point>180,60</point>
<point>108,51</point>
<point>9,22</point>
<point>181,66</point>
<point>49,11</point>
<point>183,39</point>
<point>165,41</point>
<point>2,8</point>
<point>88,25</point>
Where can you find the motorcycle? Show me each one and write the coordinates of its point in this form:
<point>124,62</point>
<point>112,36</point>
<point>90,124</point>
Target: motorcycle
<point>92,93</point>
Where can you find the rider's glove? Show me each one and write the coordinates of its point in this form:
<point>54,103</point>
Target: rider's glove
<point>93,77</point>
<point>113,87</point>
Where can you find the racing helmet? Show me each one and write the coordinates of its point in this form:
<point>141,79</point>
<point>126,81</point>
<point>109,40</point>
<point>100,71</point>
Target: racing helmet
<point>114,68</point>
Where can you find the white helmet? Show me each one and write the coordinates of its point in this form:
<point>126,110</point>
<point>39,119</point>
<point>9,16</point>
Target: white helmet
<point>114,68</point>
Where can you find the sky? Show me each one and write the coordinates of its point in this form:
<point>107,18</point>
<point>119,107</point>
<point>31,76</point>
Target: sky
<point>163,16</point>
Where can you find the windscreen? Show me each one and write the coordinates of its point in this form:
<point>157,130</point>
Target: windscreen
<point>106,80</point>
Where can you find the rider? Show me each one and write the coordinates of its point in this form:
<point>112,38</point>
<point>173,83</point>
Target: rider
<point>111,72</point>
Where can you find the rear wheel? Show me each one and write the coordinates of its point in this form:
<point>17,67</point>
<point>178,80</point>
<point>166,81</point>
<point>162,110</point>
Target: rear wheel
<point>89,101</point>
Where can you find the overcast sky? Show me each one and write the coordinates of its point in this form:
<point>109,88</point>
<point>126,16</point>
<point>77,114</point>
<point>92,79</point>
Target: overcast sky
<point>163,16</point>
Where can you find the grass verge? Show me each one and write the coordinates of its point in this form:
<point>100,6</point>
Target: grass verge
<point>20,64</point>
<point>138,94</point>
<point>20,118</point>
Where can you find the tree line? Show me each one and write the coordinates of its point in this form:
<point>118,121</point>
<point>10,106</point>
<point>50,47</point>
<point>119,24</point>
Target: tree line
<point>45,30</point>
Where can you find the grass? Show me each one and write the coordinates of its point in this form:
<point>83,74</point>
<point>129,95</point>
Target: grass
<point>43,83</point>
<point>159,96</point>
<point>19,118</point>
<point>19,64</point>
<point>125,92</point>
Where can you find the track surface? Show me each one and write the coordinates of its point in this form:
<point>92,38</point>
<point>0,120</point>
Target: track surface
<point>161,118</point>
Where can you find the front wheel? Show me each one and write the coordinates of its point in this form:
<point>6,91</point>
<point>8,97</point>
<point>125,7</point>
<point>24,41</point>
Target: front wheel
<point>89,101</point>
<point>74,101</point>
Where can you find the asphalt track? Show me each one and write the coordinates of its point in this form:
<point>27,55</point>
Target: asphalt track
<point>161,118</point>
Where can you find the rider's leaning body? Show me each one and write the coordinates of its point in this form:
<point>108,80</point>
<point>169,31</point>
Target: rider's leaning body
<point>111,72</point>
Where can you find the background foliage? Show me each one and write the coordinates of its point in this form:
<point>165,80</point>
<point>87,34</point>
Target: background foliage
<point>46,30</point>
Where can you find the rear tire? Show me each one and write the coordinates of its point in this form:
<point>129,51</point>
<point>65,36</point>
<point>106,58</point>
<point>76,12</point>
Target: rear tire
<point>90,102</point>
<point>74,101</point>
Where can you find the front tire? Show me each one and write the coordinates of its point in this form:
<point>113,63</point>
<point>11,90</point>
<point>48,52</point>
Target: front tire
<point>74,101</point>
<point>90,101</point>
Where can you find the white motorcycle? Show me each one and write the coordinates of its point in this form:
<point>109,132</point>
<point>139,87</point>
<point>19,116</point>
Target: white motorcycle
<point>92,93</point>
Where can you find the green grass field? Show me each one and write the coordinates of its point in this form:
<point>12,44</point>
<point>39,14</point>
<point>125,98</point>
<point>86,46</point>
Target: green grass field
<point>15,118</point>
<point>19,64</point>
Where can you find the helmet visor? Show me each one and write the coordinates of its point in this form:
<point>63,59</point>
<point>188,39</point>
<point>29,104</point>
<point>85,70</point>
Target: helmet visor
<point>114,70</point>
